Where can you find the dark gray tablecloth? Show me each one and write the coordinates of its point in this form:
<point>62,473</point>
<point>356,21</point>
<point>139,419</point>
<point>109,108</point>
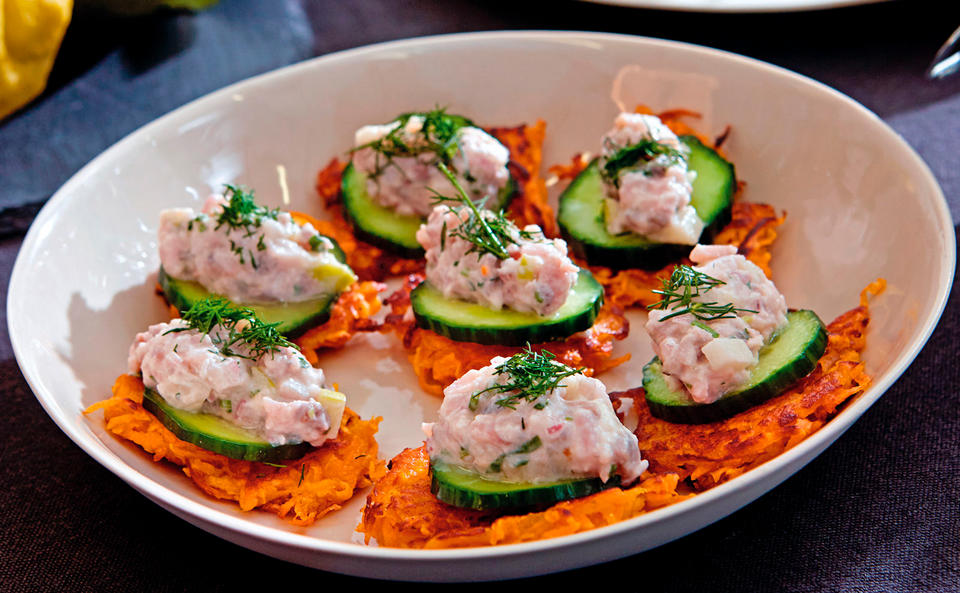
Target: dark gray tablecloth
<point>878,511</point>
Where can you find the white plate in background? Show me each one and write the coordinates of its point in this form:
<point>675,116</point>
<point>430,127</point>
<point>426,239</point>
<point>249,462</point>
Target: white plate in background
<point>737,5</point>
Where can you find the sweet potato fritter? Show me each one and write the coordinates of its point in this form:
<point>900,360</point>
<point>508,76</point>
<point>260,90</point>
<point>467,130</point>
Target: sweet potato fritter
<point>350,314</point>
<point>439,361</point>
<point>710,454</point>
<point>526,154</point>
<point>301,492</point>
<point>402,513</point>
<point>529,206</point>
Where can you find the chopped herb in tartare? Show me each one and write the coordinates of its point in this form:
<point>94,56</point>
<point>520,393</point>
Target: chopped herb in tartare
<point>432,133</point>
<point>639,156</point>
<point>241,213</point>
<point>230,326</point>
<point>681,290</point>
<point>487,231</point>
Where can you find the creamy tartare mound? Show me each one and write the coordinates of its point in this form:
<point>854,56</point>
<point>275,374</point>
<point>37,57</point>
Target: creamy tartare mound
<point>710,358</point>
<point>569,432</point>
<point>649,192</point>
<point>277,396</point>
<point>409,184</point>
<point>536,276</point>
<point>267,259</point>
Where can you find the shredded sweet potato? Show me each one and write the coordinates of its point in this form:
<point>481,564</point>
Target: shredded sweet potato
<point>350,314</point>
<point>526,154</point>
<point>529,206</point>
<point>570,171</point>
<point>753,229</point>
<point>674,119</point>
<point>401,512</point>
<point>301,492</point>
<point>439,361</point>
<point>710,454</point>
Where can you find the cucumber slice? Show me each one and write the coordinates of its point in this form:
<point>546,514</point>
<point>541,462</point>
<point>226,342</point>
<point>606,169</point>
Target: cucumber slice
<point>471,322</point>
<point>383,227</point>
<point>217,435</point>
<point>582,214</point>
<point>792,355</point>
<point>713,188</point>
<point>466,489</point>
<point>294,317</point>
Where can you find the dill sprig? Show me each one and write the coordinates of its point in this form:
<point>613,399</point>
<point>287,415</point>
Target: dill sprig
<point>628,156</point>
<point>438,136</point>
<point>686,284</point>
<point>243,329</point>
<point>240,213</point>
<point>531,375</point>
<point>486,231</point>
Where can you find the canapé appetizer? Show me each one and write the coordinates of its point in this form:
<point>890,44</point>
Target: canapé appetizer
<point>261,258</point>
<point>392,181</point>
<point>490,282</point>
<point>724,339</point>
<point>525,432</point>
<point>648,198</point>
<point>379,198</point>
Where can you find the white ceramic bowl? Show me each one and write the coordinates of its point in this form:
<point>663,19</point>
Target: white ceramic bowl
<point>861,204</point>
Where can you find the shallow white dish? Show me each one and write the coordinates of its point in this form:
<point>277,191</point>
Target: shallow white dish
<point>737,5</point>
<point>861,205</point>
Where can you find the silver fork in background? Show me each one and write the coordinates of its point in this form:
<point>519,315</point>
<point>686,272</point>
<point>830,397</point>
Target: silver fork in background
<point>947,60</point>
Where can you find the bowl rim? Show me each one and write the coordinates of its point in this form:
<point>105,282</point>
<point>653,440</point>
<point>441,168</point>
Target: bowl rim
<point>232,522</point>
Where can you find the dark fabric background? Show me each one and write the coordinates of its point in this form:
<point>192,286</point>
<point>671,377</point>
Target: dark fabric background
<point>878,511</point>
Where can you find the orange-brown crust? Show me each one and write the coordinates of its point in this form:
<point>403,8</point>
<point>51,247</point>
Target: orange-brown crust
<point>439,361</point>
<point>526,155</point>
<point>569,171</point>
<point>675,119</point>
<point>528,207</point>
<point>710,454</point>
<point>301,492</point>
<point>753,229</point>
<point>401,512</point>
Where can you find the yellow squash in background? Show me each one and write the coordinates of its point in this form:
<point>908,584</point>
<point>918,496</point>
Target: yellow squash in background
<point>30,35</point>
